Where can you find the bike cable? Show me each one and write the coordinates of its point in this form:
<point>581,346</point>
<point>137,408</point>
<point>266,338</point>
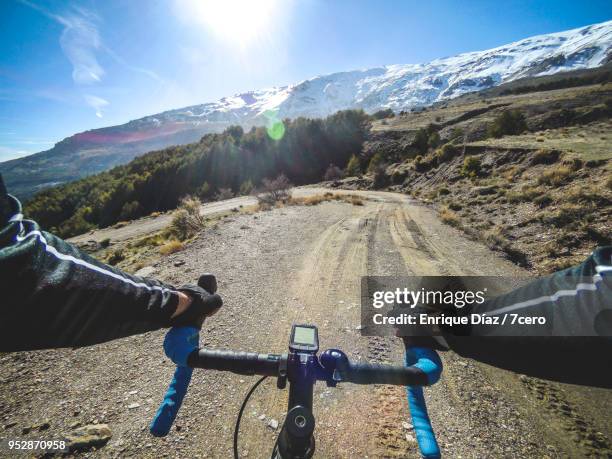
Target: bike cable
<point>244,403</point>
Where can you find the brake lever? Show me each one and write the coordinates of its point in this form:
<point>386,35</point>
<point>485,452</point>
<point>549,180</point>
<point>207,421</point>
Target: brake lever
<point>429,362</point>
<point>179,343</point>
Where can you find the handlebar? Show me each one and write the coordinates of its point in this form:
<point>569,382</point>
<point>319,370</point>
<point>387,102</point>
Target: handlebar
<point>251,363</point>
<point>243,363</point>
<point>423,367</point>
<point>373,373</point>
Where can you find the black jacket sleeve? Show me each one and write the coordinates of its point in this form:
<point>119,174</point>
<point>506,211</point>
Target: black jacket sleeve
<point>53,295</point>
<point>576,347</point>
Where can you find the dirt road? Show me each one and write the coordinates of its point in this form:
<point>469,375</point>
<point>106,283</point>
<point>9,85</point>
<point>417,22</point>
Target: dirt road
<point>274,268</point>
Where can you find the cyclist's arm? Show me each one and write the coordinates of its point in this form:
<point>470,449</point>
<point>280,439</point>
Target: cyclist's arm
<point>577,347</point>
<point>54,295</point>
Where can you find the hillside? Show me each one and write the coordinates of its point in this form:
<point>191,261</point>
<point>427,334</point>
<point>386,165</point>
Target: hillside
<point>217,165</point>
<point>399,87</point>
<point>542,195</point>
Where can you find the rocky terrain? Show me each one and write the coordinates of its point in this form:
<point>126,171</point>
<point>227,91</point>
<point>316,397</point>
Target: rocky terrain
<point>298,263</point>
<point>543,196</point>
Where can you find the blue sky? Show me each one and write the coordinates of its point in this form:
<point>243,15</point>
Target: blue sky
<point>70,66</point>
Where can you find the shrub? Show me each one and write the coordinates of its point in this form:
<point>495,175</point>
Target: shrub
<point>449,217</point>
<point>545,157</point>
<point>556,176</point>
<point>447,152</point>
<point>203,191</point>
<point>454,206</point>
<point>574,164</point>
<point>421,164</point>
<point>223,194</point>
<point>381,179</point>
<point>384,113</point>
<point>333,173</point>
<point>273,191</point>
<point>115,256</point>
<point>375,161</point>
<point>172,246</point>
<point>434,140</point>
<point>353,167</point>
<point>247,187</point>
<point>187,220</point>
<point>566,214</point>
<point>471,166</point>
<point>104,243</point>
<point>443,191</point>
<point>543,200</point>
<point>356,200</point>
<point>509,122</point>
<point>421,141</point>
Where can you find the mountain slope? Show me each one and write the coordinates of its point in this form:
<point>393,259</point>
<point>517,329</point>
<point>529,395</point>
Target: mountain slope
<point>398,87</point>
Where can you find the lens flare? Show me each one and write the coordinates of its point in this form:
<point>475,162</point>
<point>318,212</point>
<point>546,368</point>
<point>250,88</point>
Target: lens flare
<point>274,125</point>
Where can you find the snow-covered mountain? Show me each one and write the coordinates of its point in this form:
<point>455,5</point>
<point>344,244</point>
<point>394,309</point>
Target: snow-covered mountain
<point>399,87</point>
<point>410,85</point>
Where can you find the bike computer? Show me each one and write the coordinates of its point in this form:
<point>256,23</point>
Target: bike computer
<point>304,338</point>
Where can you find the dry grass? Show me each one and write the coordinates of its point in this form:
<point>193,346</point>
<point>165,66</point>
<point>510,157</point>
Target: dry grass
<point>525,194</point>
<point>449,217</point>
<point>320,198</point>
<point>556,176</point>
<point>172,246</point>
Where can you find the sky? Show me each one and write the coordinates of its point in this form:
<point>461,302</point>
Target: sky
<point>69,66</point>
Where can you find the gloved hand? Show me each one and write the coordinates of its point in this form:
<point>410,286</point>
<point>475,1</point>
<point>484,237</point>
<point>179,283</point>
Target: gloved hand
<point>203,304</point>
<point>431,337</point>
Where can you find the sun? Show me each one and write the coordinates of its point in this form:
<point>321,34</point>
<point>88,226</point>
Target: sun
<point>236,21</point>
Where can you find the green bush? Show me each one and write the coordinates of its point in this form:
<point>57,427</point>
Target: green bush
<point>447,152</point>
<point>376,161</point>
<point>471,166</point>
<point>353,168</point>
<point>384,113</point>
<point>509,122</point>
<point>246,187</point>
<point>545,157</point>
<point>421,164</point>
<point>434,140</point>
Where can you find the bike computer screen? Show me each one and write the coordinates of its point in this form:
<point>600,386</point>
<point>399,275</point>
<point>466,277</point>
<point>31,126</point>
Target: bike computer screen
<point>304,338</point>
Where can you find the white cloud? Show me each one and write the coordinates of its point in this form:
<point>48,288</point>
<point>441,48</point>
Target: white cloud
<point>79,40</point>
<point>97,103</point>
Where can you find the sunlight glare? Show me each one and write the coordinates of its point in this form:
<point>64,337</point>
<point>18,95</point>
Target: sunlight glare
<point>235,21</point>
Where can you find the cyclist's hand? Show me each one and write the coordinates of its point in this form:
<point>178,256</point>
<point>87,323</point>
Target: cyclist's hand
<point>198,305</point>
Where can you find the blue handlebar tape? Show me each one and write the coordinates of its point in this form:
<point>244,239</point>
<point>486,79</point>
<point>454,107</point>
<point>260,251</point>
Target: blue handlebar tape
<point>428,361</point>
<point>178,344</point>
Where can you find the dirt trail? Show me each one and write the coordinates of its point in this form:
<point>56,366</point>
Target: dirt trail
<point>296,264</point>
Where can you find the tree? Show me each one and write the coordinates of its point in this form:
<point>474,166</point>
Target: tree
<point>353,168</point>
<point>509,122</point>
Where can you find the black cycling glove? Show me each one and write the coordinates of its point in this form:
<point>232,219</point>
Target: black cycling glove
<point>203,304</point>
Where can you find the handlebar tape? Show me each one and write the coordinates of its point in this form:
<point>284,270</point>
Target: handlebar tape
<point>240,362</point>
<point>178,344</point>
<point>373,373</point>
<point>429,362</point>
